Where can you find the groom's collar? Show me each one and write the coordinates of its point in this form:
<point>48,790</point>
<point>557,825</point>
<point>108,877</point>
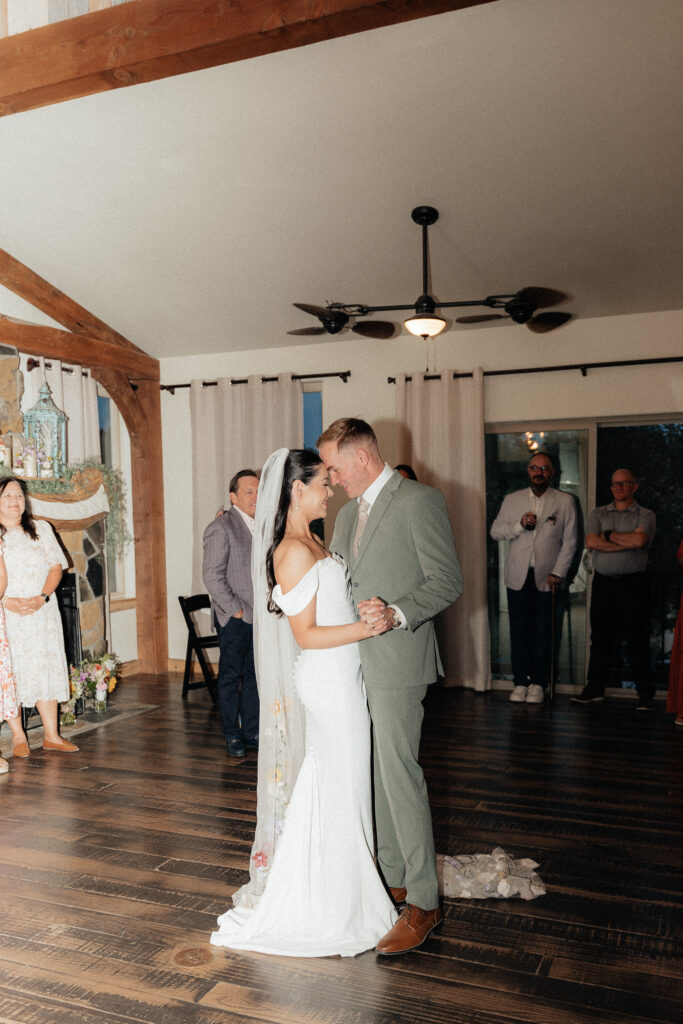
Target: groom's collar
<point>371,493</point>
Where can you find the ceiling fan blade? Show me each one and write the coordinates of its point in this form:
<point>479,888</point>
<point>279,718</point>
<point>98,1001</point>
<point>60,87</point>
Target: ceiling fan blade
<point>374,329</point>
<point>480,319</point>
<point>309,330</point>
<point>540,298</point>
<point>545,322</point>
<point>313,310</point>
<point>323,313</point>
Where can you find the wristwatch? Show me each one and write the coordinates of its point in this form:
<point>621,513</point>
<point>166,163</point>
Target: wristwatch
<point>46,596</point>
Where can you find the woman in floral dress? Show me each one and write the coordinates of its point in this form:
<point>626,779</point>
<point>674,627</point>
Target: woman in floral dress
<point>34,563</point>
<point>9,706</point>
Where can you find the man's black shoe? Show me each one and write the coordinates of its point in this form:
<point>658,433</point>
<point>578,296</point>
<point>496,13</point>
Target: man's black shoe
<point>589,695</point>
<point>236,747</point>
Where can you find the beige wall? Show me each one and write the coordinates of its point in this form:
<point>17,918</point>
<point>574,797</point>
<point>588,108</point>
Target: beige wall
<point>607,392</point>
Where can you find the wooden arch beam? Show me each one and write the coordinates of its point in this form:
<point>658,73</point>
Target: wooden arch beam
<point>115,366</point>
<point>35,290</point>
<point>143,40</point>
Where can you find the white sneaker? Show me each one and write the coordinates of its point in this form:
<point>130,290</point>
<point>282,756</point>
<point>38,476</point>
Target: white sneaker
<point>535,694</point>
<point>518,695</point>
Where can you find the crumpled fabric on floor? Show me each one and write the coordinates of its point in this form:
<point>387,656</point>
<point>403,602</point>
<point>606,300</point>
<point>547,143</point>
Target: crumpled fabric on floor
<point>483,876</point>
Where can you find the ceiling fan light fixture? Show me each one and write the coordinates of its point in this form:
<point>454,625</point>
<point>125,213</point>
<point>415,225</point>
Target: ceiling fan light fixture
<point>425,325</point>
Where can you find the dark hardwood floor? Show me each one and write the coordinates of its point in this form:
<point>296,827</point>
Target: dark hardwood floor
<point>115,862</point>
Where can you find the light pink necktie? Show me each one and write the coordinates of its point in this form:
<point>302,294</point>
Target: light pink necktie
<point>363,513</point>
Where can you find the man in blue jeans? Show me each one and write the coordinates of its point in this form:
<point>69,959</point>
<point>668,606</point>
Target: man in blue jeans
<point>227,577</point>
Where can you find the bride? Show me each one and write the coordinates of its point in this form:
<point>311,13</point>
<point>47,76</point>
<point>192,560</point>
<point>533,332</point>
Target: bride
<point>314,888</point>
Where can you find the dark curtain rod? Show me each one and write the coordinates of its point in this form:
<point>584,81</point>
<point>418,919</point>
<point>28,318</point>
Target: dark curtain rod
<point>344,374</point>
<point>33,364</point>
<point>583,367</point>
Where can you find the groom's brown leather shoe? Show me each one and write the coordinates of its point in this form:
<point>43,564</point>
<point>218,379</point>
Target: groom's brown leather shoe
<point>410,931</point>
<point>398,894</point>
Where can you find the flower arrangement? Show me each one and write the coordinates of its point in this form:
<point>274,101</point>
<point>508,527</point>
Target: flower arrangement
<point>93,680</point>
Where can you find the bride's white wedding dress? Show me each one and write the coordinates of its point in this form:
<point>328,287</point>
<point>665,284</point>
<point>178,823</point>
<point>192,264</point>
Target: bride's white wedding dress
<point>323,894</point>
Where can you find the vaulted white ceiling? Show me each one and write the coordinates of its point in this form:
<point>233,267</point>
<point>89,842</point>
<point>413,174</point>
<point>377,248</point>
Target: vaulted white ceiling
<point>190,213</point>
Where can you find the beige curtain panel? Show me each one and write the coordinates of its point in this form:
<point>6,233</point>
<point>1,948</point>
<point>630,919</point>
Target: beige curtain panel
<point>234,427</point>
<point>443,440</point>
<point>75,393</point>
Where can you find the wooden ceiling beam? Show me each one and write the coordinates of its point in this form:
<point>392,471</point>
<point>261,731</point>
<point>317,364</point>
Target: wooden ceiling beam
<point>35,290</point>
<point>144,40</point>
<point>36,339</point>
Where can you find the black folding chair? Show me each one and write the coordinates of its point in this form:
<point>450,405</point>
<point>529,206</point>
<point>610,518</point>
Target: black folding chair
<point>196,645</point>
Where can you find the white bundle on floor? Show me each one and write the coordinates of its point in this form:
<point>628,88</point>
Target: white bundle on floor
<point>482,876</point>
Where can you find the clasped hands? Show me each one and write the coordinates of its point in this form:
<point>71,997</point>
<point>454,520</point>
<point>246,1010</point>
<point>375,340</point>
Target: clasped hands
<point>377,615</point>
<point>24,605</point>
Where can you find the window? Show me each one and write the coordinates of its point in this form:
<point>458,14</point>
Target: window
<point>313,416</point>
<point>115,452</point>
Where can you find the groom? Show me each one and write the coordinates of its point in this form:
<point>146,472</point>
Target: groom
<point>398,545</point>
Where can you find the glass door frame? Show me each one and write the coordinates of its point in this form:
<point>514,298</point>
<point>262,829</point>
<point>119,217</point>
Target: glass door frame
<point>591,427</point>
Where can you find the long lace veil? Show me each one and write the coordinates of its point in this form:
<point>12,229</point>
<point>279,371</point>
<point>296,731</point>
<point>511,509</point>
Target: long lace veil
<point>281,719</point>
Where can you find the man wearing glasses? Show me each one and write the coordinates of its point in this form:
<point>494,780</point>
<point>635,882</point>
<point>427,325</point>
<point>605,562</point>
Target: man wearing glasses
<point>540,523</point>
<point>619,534</point>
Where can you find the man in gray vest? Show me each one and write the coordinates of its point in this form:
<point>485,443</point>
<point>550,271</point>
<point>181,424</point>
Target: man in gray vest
<point>619,535</point>
<point>397,543</point>
<point>227,577</point>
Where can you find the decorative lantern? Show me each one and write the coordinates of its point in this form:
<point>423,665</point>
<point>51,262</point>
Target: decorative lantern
<point>46,425</point>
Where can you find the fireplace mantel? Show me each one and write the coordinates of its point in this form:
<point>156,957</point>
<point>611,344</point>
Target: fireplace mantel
<point>83,506</point>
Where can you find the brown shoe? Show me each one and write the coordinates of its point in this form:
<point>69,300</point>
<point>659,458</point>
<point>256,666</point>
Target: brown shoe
<point>399,894</point>
<point>21,750</point>
<point>63,745</point>
<point>410,931</point>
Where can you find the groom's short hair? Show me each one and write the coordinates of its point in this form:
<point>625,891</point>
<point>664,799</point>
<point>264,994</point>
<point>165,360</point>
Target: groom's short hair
<point>347,432</point>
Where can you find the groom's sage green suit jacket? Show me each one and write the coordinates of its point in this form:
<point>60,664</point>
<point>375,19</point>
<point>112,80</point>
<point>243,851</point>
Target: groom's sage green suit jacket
<point>407,557</point>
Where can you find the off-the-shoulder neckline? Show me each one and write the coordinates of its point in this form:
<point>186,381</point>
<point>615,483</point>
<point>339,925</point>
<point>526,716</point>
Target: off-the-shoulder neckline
<point>318,561</point>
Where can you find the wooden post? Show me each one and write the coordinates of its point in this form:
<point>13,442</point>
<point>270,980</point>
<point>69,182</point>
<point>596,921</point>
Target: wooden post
<point>141,411</point>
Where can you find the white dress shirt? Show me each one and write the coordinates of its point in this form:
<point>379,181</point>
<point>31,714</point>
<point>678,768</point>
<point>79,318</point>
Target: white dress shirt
<point>249,520</point>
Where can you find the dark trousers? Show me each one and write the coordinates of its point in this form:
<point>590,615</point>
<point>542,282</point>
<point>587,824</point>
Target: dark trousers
<point>620,604</point>
<point>237,692</point>
<point>530,633</point>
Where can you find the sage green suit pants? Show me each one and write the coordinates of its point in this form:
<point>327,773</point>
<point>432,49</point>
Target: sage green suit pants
<point>405,843</point>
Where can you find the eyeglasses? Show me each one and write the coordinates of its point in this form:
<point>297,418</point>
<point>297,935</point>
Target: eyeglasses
<point>623,483</point>
<point>542,469</point>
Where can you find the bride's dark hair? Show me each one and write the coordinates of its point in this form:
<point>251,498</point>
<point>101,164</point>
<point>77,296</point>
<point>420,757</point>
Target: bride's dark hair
<point>300,464</point>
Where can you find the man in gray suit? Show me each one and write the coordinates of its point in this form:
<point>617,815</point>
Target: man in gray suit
<point>397,542</point>
<point>540,523</point>
<point>227,577</point>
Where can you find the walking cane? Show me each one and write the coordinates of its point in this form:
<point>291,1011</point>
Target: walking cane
<point>551,682</point>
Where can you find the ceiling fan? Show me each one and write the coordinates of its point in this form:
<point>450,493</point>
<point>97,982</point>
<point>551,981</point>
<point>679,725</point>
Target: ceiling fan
<point>521,307</point>
<point>335,318</point>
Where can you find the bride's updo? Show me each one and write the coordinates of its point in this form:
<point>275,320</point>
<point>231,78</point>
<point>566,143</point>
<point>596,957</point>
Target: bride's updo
<point>303,465</point>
